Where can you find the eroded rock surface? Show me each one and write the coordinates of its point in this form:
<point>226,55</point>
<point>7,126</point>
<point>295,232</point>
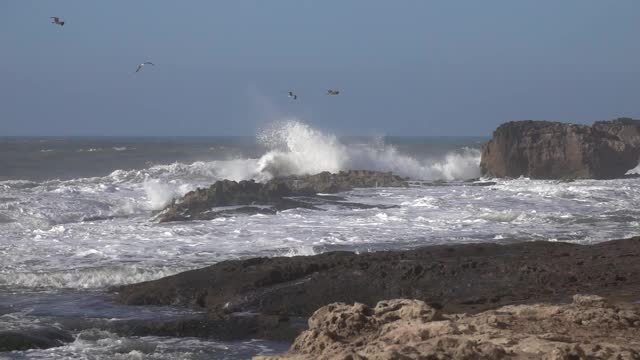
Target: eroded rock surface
<point>230,197</point>
<point>553,150</point>
<point>458,278</point>
<point>588,328</point>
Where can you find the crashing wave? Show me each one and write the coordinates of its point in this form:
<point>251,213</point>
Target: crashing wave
<point>298,149</point>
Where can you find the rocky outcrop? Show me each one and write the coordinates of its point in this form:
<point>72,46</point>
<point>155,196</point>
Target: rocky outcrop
<point>456,278</point>
<point>326,182</point>
<point>626,129</point>
<point>588,328</point>
<point>250,197</point>
<point>553,150</point>
<point>37,337</point>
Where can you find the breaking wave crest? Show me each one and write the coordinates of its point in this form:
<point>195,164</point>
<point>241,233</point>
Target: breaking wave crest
<point>297,148</point>
<point>293,148</point>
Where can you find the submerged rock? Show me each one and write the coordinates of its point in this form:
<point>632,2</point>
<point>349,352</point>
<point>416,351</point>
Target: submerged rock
<point>553,150</point>
<point>250,197</point>
<point>40,337</point>
<point>588,328</point>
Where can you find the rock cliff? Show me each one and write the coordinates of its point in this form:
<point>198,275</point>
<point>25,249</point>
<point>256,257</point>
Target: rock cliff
<point>553,150</point>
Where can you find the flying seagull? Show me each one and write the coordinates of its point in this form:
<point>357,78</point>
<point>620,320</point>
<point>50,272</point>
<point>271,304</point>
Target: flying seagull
<point>333,92</point>
<point>56,20</point>
<point>293,96</point>
<point>143,64</point>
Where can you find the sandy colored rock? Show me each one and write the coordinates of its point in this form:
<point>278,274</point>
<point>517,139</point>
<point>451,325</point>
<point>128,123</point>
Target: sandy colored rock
<point>588,328</point>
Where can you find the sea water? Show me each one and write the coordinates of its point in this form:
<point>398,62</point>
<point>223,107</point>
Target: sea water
<point>77,216</point>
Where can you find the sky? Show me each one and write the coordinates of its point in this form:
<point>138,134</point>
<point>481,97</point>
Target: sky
<point>224,67</point>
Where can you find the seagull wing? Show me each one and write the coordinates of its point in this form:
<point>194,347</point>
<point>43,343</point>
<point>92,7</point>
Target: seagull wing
<point>139,67</point>
<point>149,63</point>
<point>55,18</point>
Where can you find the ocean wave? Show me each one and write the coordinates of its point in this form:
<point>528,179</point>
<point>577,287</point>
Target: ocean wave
<point>86,278</point>
<point>96,343</point>
<point>297,149</point>
<point>294,148</point>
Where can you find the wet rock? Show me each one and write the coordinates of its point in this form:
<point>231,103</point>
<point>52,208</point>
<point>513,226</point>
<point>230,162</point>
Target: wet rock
<point>226,197</point>
<point>463,278</point>
<point>201,204</point>
<point>230,327</point>
<point>417,331</point>
<point>326,182</point>
<point>41,337</point>
<point>553,150</point>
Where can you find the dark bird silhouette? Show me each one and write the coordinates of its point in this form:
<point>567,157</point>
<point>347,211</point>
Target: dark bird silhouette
<point>333,92</point>
<point>141,66</point>
<point>293,96</point>
<point>56,20</point>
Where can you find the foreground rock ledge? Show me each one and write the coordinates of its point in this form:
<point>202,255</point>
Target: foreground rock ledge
<point>553,150</point>
<point>457,278</point>
<point>588,328</point>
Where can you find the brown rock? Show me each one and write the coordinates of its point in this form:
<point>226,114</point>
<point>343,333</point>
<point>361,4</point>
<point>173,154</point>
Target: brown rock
<point>553,150</point>
<point>340,331</point>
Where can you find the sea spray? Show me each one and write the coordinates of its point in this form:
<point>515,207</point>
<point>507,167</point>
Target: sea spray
<point>297,149</point>
<point>159,194</point>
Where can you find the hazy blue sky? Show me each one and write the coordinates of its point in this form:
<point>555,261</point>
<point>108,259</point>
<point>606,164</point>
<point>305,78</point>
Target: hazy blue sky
<point>224,67</point>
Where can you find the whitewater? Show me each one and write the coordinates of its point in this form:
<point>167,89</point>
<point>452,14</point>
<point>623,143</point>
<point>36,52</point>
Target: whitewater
<point>69,232</point>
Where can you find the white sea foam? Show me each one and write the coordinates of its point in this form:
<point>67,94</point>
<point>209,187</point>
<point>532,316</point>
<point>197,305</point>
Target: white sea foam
<point>298,149</point>
<point>101,344</point>
<point>159,194</point>
<point>635,170</point>
<point>85,278</point>
<point>98,231</point>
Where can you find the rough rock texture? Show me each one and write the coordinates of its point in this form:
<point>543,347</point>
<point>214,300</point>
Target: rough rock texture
<point>275,195</point>
<point>326,182</point>
<point>553,150</point>
<point>628,130</point>
<point>456,278</point>
<point>588,328</point>
<point>40,337</point>
<point>228,328</point>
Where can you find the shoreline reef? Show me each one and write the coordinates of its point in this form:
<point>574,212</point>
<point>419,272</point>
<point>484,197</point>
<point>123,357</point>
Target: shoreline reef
<point>273,298</point>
